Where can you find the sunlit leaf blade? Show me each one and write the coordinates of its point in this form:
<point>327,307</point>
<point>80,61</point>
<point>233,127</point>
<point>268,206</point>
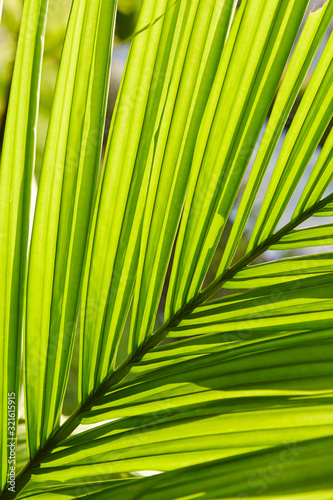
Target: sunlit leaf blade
<point>68,177</point>
<point>117,222</point>
<point>320,178</point>
<point>160,124</point>
<point>311,36</point>
<point>72,489</point>
<point>219,372</point>
<point>180,406</point>
<point>326,211</point>
<point>281,271</point>
<point>16,170</point>
<point>309,237</point>
<point>202,31</point>
<point>285,472</point>
<point>250,68</point>
<point>222,404</point>
<point>310,122</point>
<point>266,309</point>
<point>321,208</point>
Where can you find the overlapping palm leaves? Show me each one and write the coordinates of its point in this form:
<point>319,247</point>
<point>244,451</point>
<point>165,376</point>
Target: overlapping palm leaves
<point>231,397</point>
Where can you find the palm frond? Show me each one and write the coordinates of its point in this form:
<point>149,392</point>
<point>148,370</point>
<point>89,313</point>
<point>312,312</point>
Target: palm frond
<point>17,163</point>
<point>232,396</point>
<point>68,178</point>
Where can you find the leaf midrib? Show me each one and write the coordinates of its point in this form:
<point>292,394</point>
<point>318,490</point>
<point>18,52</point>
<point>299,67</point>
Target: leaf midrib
<point>122,371</point>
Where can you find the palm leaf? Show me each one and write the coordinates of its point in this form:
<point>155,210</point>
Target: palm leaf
<point>124,206</point>
<point>68,178</point>
<point>239,116</point>
<point>232,396</point>
<point>17,163</point>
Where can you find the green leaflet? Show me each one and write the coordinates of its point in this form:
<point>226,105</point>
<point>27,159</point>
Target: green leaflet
<point>223,405</point>
<point>219,373</point>
<point>17,164</point>
<point>308,126</point>
<point>22,455</point>
<point>309,237</point>
<point>248,74</point>
<point>326,211</point>
<point>73,489</point>
<point>281,271</point>
<point>266,309</point>
<point>69,171</point>
<point>166,130</point>
<point>269,474</point>
<point>121,198</point>
<point>319,179</point>
<point>193,73</point>
<point>185,407</point>
<point>313,31</point>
